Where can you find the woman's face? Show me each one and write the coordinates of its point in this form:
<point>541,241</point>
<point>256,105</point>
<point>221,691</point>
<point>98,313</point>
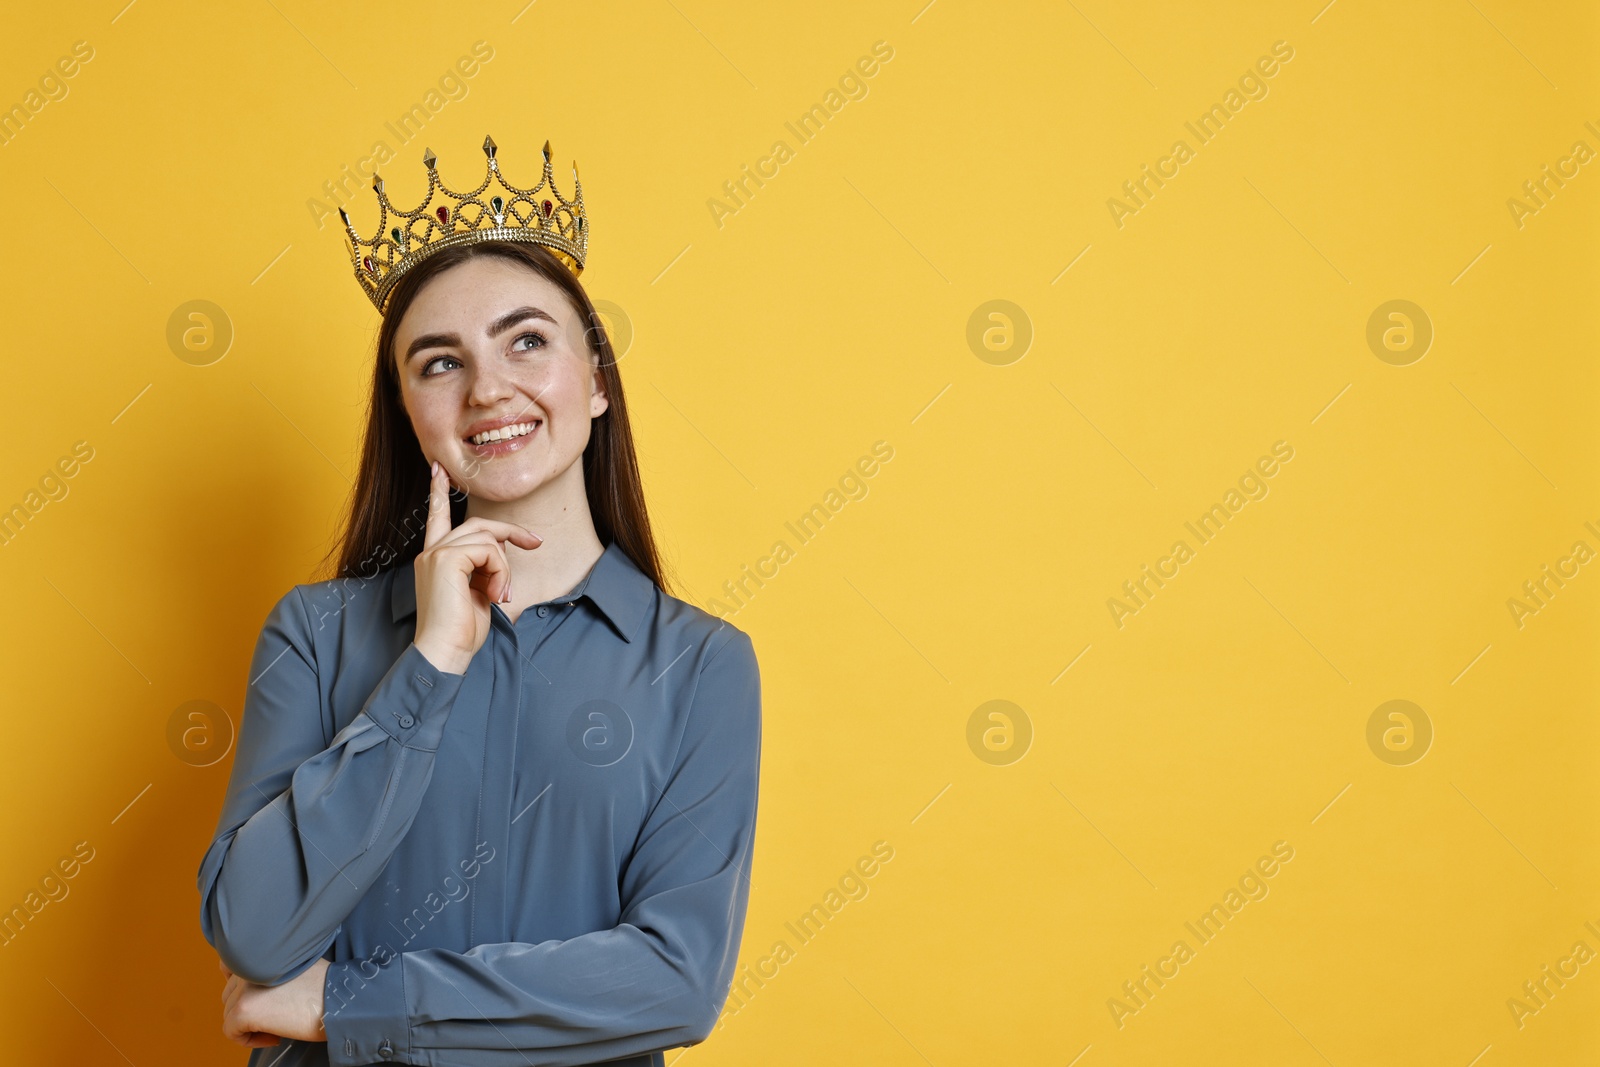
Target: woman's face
<point>491,344</point>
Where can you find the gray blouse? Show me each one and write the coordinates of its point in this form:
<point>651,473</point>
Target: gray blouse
<point>545,860</point>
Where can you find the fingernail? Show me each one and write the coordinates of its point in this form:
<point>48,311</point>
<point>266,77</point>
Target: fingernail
<point>433,469</point>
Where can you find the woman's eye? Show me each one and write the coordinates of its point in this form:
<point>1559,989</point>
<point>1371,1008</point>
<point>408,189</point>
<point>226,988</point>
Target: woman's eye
<point>538,339</point>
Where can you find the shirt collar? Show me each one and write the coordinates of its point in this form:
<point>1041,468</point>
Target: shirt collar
<point>615,585</point>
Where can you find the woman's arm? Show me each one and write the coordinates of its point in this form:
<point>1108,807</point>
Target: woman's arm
<point>305,830</point>
<point>657,980</point>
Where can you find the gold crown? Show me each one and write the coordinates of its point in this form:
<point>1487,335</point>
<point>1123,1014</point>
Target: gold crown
<point>465,218</point>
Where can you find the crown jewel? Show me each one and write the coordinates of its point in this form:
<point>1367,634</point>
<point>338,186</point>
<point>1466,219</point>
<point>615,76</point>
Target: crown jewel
<point>551,220</point>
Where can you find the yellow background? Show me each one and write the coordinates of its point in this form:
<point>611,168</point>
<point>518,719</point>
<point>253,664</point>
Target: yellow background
<point>829,312</point>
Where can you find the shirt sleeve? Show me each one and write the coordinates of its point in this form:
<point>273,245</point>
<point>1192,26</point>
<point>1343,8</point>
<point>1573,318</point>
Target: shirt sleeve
<point>306,828</point>
<point>655,981</point>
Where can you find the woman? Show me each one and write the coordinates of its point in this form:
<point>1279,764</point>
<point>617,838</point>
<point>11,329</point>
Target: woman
<point>495,790</point>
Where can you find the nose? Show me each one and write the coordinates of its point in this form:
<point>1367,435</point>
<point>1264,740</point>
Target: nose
<point>491,382</point>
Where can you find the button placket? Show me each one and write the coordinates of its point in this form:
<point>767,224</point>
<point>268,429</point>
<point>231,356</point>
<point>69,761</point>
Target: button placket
<point>528,650</point>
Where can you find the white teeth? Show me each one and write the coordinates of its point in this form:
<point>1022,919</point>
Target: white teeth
<point>504,433</point>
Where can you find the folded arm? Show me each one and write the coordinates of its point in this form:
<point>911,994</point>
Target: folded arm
<point>306,829</point>
<point>656,980</point>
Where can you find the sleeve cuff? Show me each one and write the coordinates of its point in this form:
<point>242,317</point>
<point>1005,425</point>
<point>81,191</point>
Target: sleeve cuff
<point>413,701</point>
<point>364,1012</point>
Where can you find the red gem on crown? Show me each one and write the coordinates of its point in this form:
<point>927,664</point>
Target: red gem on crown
<point>548,207</point>
<point>444,215</point>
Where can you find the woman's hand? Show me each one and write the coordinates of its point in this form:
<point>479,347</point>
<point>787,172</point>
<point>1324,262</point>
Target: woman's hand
<point>256,1015</point>
<point>460,572</point>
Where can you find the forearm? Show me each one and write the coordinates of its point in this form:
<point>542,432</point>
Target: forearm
<point>276,889</point>
<point>596,997</point>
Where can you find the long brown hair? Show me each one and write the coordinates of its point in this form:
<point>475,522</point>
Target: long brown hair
<point>386,514</point>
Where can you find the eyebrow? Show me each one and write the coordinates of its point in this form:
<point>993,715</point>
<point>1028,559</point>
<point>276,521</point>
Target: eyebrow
<point>494,329</point>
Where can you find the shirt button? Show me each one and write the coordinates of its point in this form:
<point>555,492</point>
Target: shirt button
<point>406,721</point>
<point>386,1050</point>
<point>543,611</point>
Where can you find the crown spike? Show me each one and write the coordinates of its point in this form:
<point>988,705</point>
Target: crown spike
<point>446,218</point>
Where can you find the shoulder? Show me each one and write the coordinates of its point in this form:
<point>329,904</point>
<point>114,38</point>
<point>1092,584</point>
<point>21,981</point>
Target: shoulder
<point>308,611</point>
<point>721,694</point>
<point>687,626</point>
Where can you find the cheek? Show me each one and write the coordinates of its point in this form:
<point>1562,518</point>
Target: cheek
<point>563,392</point>
<point>434,414</point>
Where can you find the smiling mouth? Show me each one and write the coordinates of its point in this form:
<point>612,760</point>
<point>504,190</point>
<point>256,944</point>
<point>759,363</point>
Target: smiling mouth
<point>504,433</point>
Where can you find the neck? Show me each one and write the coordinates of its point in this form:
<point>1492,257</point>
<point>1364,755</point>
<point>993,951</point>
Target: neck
<point>558,512</point>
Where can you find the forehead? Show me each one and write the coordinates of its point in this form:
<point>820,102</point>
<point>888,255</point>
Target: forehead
<point>466,297</point>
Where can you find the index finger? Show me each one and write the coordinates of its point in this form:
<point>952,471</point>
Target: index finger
<point>498,529</point>
<point>438,506</point>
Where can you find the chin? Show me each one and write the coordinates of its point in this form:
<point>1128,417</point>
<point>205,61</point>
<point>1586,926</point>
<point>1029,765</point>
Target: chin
<point>503,491</point>
<point>512,476</point>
